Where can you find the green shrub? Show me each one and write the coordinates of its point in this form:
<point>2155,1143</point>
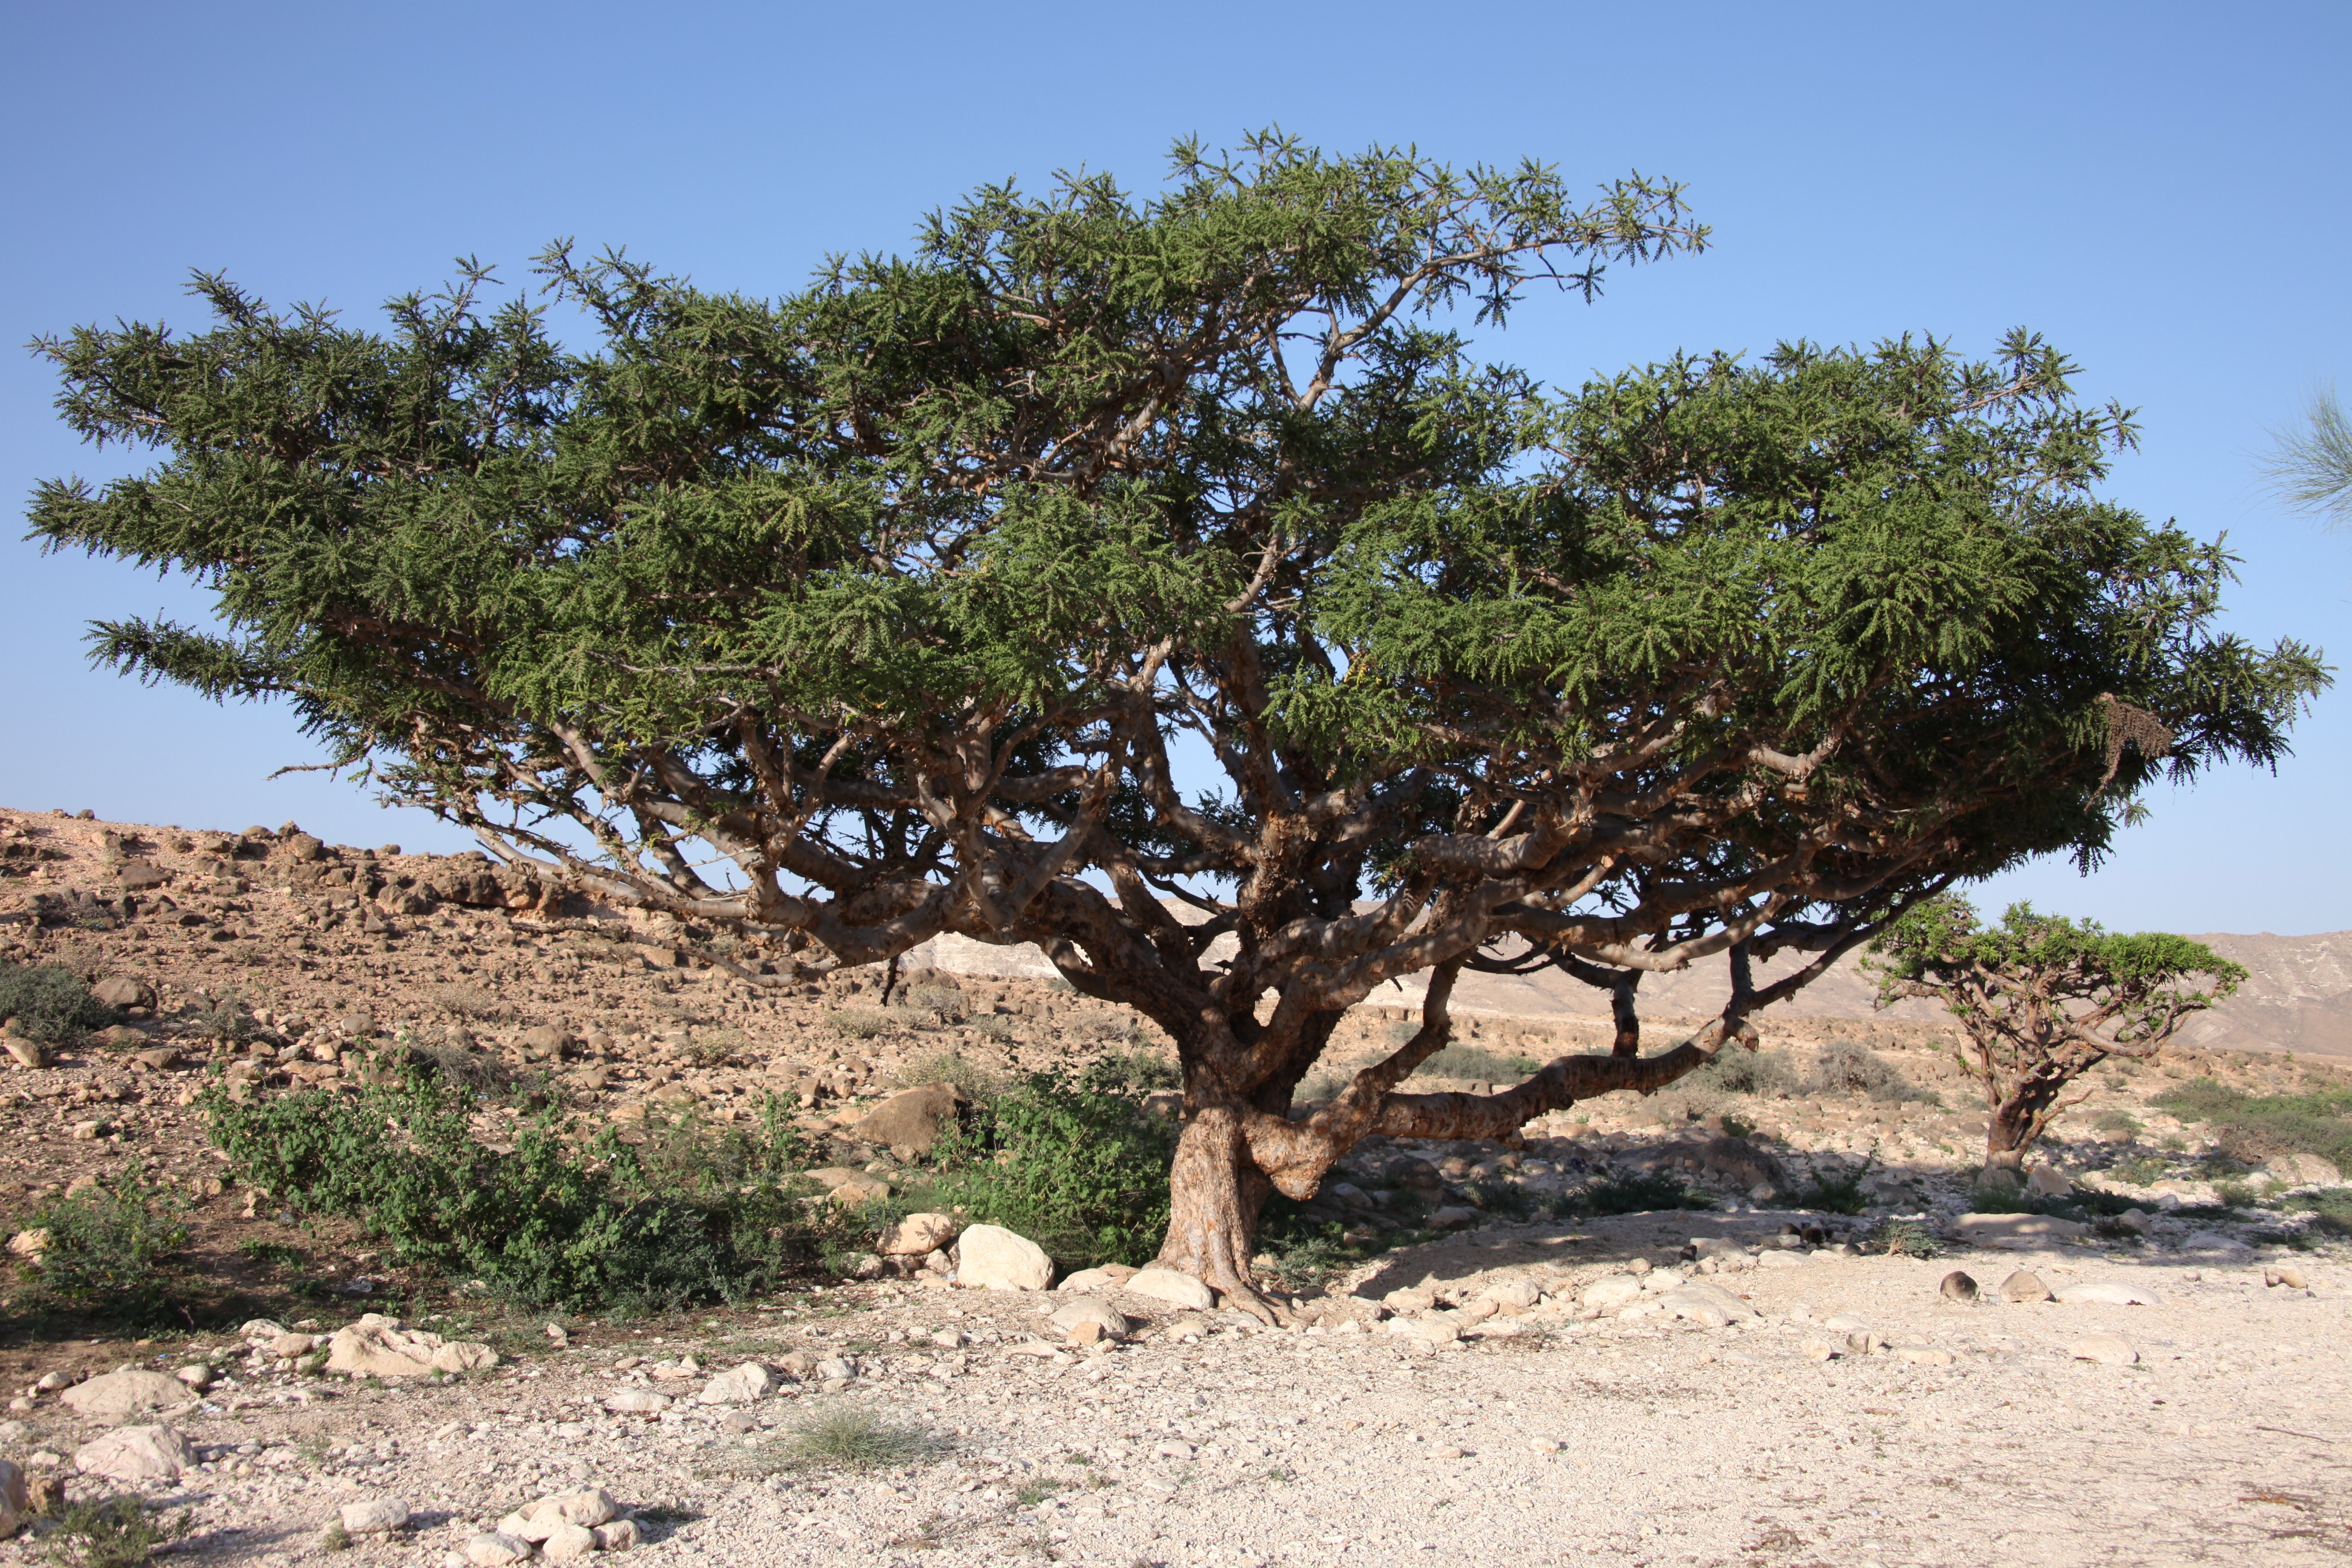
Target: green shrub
<point>1907,1239</point>
<point>49,1003</point>
<point>1835,1191</point>
<point>990,1026</point>
<point>1134,1071</point>
<point>971,1078</point>
<point>109,1248</point>
<point>860,1023</point>
<point>846,1437</point>
<point>688,1216</point>
<point>112,1532</point>
<point>2254,1128</point>
<point>2117,1121</point>
<point>1074,1163</point>
<point>944,1003</point>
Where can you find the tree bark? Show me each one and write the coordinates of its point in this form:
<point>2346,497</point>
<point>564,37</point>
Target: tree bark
<point>1215,1194</point>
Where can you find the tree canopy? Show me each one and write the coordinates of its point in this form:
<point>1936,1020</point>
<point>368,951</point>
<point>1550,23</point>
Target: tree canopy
<point>906,598</point>
<point>2043,999</point>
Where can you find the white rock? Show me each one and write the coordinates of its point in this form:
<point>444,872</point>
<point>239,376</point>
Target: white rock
<point>381,1517</point>
<point>589,1505</point>
<point>1087,1279</point>
<point>261,1331</point>
<point>990,1258</point>
<point>2048,1183</point>
<point>1174,1286</point>
<point>2108,1350</point>
<point>2107,1293</point>
<point>1520,1292</point>
<point>2212,1241</point>
<point>463,1355</point>
<point>1110,1320</point>
<point>836,1369</point>
<point>617,1536</point>
<point>119,1394</point>
<point>136,1453</point>
<point>916,1234</point>
<point>1614,1290</point>
<point>1435,1328</point>
<point>740,1385</point>
<point>377,1346</point>
<point>1709,1305</point>
<point>637,1402</point>
<point>1781,1260</point>
<point>568,1543</point>
<point>492,1550</point>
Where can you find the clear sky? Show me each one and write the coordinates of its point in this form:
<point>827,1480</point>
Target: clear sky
<point>2161,189</point>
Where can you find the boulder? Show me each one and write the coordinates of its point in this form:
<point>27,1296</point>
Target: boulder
<point>1516,1291</point>
<point>2047,1183</point>
<point>381,1517</point>
<point>29,1243</point>
<point>1174,1286</point>
<point>2107,1293</point>
<point>2024,1287</point>
<point>908,1123</point>
<point>740,1385</point>
<point>543,1041</point>
<point>1709,1306</point>
<point>378,1346</point>
<point>1614,1290</point>
<point>2018,1232</point>
<point>16,1498</point>
<point>619,1536</point>
<point>123,990</point>
<point>990,1258</point>
<point>464,1355</point>
<point>918,1235</point>
<point>136,1453</point>
<point>1738,1161</point>
<point>568,1543</point>
<point>118,1395</point>
<point>637,1402</point>
<point>2303,1170</point>
<point>2108,1350</point>
<point>137,877</point>
<point>1108,1319</point>
<point>859,1191</point>
<point>493,1549</point>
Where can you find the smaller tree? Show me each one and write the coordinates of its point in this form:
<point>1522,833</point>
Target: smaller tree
<point>2043,1000</point>
<point>2310,468</point>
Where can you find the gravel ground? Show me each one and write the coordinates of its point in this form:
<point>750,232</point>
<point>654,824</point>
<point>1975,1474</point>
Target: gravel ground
<point>1966,1433</point>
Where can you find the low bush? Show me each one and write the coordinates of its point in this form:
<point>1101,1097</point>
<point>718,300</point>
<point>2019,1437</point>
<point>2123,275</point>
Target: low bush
<point>2254,1128</point>
<point>110,1533</point>
<point>1634,1195</point>
<point>861,1022</point>
<point>847,1437</point>
<point>944,1003</point>
<point>1835,1190</point>
<point>1476,1062</point>
<point>108,1250</point>
<point>973,1080</point>
<point>1737,1071</point>
<point>1847,1066</point>
<point>1072,1161</point>
<point>2117,1121</point>
<point>582,1224</point>
<point>48,1003</point>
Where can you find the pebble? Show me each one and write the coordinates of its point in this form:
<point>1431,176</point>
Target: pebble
<point>381,1517</point>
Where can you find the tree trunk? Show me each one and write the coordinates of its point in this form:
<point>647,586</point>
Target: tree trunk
<point>1215,1197</point>
<point>2011,1131</point>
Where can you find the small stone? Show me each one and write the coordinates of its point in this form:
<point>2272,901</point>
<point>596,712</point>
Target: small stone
<point>1543,1446</point>
<point>990,1258</point>
<point>29,1243</point>
<point>15,1498</point>
<point>1614,1290</point>
<point>1174,1286</point>
<point>836,1369</point>
<point>1820,1349</point>
<point>196,1375</point>
<point>2107,1293</point>
<point>136,1453</point>
<point>2108,1350</point>
<point>292,1345</point>
<point>637,1402</point>
<point>740,1385</point>
<point>2290,1277</point>
<point>1959,1287</point>
<point>381,1517</point>
<point>492,1549</point>
<point>1921,1355</point>
<point>1106,1321</point>
<point>2024,1287</point>
<point>50,1382</point>
<point>26,1053</point>
<point>619,1536</point>
<point>2047,1183</point>
<point>1447,1454</point>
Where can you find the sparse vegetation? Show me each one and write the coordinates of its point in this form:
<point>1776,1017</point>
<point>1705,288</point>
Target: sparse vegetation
<point>861,1022</point>
<point>48,1003</point>
<point>110,1533</point>
<point>1737,1071</point>
<point>1635,1194</point>
<point>108,1250</point>
<point>2254,1128</point>
<point>1477,1063</point>
<point>852,1437</point>
<point>973,1080</point>
<point>944,1002</point>
<point>1847,1066</point>
<point>1833,1189</point>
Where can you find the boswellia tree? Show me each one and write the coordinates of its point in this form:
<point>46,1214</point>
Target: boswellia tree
<point>923,601</point>
<point>2042,1000</point>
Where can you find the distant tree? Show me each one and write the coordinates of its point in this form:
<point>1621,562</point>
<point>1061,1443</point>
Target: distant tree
<point>882,611</point>
<point>2043,1000</point>
<point>2310,468</point>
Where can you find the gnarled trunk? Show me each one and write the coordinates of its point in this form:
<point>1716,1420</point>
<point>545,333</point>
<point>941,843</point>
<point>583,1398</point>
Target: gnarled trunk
<point>1216,1193</point>
<point>2015,1122</point>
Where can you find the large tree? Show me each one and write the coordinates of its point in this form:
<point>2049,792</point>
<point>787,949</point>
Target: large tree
<point>2042,1000</point>
<point>917,600</point>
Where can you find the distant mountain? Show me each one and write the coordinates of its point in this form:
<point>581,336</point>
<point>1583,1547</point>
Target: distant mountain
<point>2298,997</point>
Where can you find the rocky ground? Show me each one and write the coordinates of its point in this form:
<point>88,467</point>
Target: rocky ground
<point>1703,1386</point>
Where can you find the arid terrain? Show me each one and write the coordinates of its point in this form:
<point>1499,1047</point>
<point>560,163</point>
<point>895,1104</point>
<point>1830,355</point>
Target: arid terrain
<point>1758,1382</point>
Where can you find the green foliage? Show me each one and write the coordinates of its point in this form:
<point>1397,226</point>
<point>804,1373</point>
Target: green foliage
<point>109,1249</point>
<point>1907,1239</point>
<point>2115,1121</point>
<point>1072,1163</point>
<point>1639,1194</point>
<point>1134,1072</point>
<point>2310,468</point>
<point>972,1080</point>
<point>49,1004</point>
<point>2252,1128</point>
<point>583,1225</point>
<point>1836,1190</point>
<point>110,1533</point>
<point>852,1437</point>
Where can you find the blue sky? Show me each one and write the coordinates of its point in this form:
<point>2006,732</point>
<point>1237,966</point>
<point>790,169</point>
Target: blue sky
<point>2159,189</point>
